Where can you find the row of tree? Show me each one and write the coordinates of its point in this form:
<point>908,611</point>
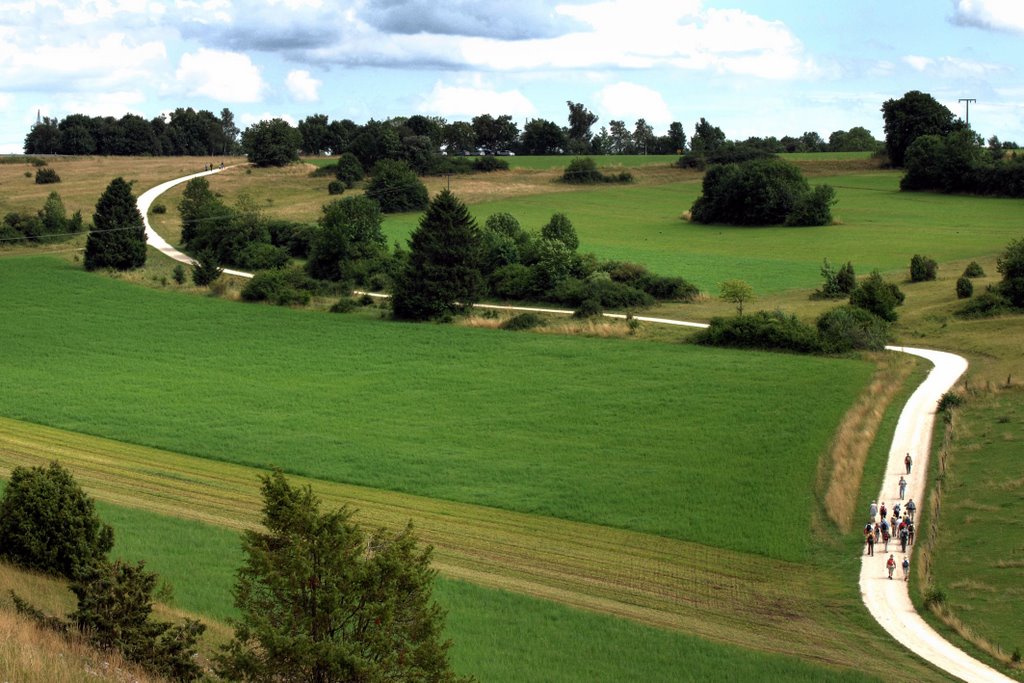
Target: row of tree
<point>183,132</point>
<point>186,131</point>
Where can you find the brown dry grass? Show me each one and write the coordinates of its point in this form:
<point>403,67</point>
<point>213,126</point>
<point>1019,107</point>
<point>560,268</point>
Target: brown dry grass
<point>856,434</point>
<point>971,636</point>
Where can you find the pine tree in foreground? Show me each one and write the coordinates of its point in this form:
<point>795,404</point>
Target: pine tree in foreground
<point>118,237</point>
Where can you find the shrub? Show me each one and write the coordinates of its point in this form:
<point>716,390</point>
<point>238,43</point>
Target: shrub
<point>560,228</point>
<point>949,401</point>
<point>922,268</point>
<point>487,164</point>
<point>47,175</point>
<point>761,330</point>
<point>604,292</point>
<point>582,170</point>
<point>513,281</point>
<point>49,524</point>
<point>838,284</point>
<point>588,308</point>
<point>964,288</point>
<point>396,187</point>
<point>847,328</point>
<point>178,274</point>
<point>349,170</point>
<point>986,305</point>
<point>335,187</point>
<point>1010,265</point>
<point>291,236</point>
<point>878,296</point>
<point>974,269</point>
<point>760,192</point>
<point>159,208</point>
<point>262,256</point>
<point>668,288</point>
<point>345,304</point>
<point>206,268</point>
<point>283,287</point>
<point>523,321</point>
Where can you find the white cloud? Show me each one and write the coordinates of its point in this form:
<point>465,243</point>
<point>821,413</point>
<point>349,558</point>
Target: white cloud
<point>116,104</point>
<point>626,35</point>
<point>629,102</point>
<point>918,63</point>
<point>1000,15</point>
<point>475,99</point>
<point>303,86</point>
<point>222,76</point>
<point>109,61</point>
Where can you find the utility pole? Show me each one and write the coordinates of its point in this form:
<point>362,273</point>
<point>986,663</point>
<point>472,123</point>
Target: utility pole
<point>968,100</point>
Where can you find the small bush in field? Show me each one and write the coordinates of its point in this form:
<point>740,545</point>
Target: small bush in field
<point>45,176</point>
<point>159,208</point>
<point>923,268</point>
<point>974,269</point>
<point>762,330</point>
<point>178,274</point>
<point>523,321</point>
<point>335,187</point>
<point>344,305</point>
<point>588,308</point>
<point>964,288</point>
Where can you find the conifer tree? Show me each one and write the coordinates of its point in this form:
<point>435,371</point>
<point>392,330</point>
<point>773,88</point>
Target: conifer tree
<point>118,237</point>
<point>443,271</point>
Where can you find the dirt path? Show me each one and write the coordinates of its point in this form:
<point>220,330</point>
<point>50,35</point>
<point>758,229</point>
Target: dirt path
<point>888,601</point>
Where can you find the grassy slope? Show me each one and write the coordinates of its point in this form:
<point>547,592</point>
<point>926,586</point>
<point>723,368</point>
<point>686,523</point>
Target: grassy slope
<point>673,440</point>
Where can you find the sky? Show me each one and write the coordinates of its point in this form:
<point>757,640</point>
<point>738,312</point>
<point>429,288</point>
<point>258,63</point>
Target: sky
<point>750,67</point>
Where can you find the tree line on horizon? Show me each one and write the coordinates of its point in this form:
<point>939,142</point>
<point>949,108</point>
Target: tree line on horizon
<point>188,132</point>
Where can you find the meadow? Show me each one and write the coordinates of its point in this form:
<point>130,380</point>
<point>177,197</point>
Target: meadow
<point>746,581</point>
<point>674,440</point>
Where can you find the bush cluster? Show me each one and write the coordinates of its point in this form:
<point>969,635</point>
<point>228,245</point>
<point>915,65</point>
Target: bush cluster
<point>46,175</point>
<point>523,321</point>
<point>766,191</point>
<point>281,286</point>
<point>583,171</point>
<point>956,162</point>
<point>923,268</point>
<point>838,284</point>
<point>49,224</point>
<point>974,269</point>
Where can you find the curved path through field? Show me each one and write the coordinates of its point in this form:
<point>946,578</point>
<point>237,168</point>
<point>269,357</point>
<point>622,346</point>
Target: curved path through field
<point>887,600</point>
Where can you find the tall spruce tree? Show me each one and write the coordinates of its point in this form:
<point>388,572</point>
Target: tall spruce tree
<point>118,237</point>
<point>442,276</point>
<point>320,602</point>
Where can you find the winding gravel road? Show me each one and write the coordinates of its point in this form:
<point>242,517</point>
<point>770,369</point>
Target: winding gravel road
<point>888,601</point>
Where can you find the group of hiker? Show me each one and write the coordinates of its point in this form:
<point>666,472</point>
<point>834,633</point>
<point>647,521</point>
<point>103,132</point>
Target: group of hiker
<point>899,527</point>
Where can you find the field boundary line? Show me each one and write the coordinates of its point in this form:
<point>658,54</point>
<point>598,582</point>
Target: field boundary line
<point>888,601</point>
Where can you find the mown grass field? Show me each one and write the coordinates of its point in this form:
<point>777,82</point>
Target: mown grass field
<point>626,583</point>
<point>667,439</point>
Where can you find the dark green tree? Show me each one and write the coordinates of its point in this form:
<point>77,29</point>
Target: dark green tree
<point>118,236</point>
<point>1010,265</point>
<point>206,268</point>
<point>396,187</point>
<point>676,138</point>
<point>878,296</point>
<point>349,241</point>
<point>765,191</point>
<point>115,605</point>
<point>911,116</point>
<point>541,136</point>
<point>442,275</point>
<point>316,136</point>
<point>847,328</point>
<point>350,171</point>
<point>271,143</point>
<point>320,602</point>
<point>560,228</point>
<point>581,120</point>
<point>198,208</point>
<point>49,524</point>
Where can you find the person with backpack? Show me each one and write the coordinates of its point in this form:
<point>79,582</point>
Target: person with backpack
<point>908,461</point>
<point>911,509</point>
<point>890,564</point>
<point>882,510</point>
<point>910,533</point>
<point>871,545</point>
<point>903,487</point>
<point>906,568</point>
<point>904,536</point>
<point>873,510</point>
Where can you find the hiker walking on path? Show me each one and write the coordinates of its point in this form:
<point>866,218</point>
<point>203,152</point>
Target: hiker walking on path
<point>911,510</point>
<point>904,536</point>
<point>882,510</point>
<point>903,487</point>
<point>890,564</point>
<point>873,510</point>
<point>871,545</point>
<point>906,568</point>
<point>910,533</point>
<point>908,461</point>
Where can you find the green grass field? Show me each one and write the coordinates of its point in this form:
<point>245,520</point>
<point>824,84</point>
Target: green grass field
<point>978,558</point>
<point>668,439</point>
